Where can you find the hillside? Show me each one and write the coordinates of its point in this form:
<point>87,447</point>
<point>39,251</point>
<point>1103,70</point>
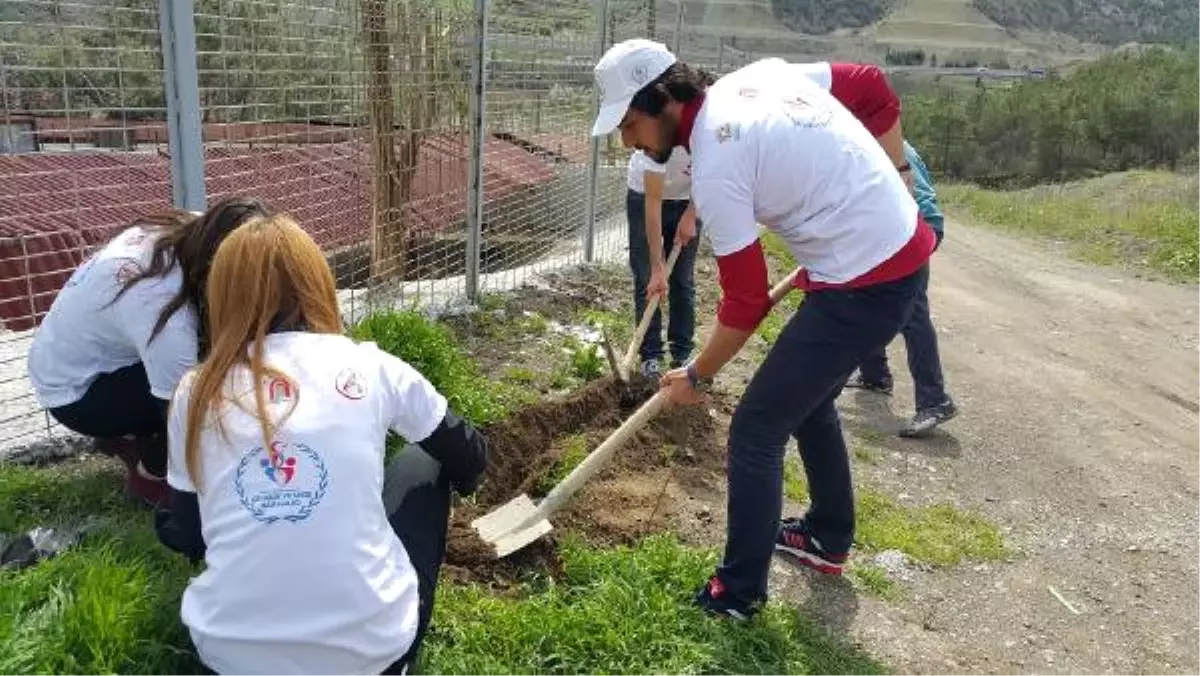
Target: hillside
<point>943,26</point>
<point>1109,22</point>
<point>826,16</point>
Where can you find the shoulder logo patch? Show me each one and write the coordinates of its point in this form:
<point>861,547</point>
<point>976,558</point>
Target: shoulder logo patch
<point>280,390</point>
<point>351,384</point>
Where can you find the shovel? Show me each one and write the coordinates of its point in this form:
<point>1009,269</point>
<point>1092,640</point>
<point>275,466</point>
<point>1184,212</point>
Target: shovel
<point>519,522</point>
<point>626,364</point>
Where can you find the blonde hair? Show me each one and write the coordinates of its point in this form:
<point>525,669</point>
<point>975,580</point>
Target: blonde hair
<point>267,274</point>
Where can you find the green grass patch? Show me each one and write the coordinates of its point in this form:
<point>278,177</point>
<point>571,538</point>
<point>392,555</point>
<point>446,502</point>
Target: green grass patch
<point>776,251</point>
<point>874,580</point>
<point>625,611</point>
<point>938,534</point>
<point>795,483</point>
<point>575,449</point>
<point>431,349</point>
<point>1141,219</point>
<point>865,454</point>
<point>781,259</point>
<point>520,375</point>
<point>110,604</point>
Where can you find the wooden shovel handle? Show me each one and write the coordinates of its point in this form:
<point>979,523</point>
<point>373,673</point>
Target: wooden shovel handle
<point>651,306</point>
<point>783,287</point>
<point>597,458</point>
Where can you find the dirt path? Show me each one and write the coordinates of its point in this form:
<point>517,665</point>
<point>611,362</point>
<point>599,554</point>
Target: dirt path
<point>1078,436</point>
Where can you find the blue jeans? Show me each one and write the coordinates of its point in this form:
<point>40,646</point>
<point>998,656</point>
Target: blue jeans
<point>924,362</point>
<point>681,286</point>
<point>793,393</point>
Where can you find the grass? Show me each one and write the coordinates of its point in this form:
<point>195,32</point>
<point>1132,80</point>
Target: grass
<point>111,604</point>
<point>108,605</point>
<point>574,451</point>
<point>941,534</point>
<point>874,580</point>
<point>1141,219</point>
<point>625,611</point>
<point>780,260</point>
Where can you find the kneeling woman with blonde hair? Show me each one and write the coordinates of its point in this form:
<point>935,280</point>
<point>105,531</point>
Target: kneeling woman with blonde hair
<point>319,559</point>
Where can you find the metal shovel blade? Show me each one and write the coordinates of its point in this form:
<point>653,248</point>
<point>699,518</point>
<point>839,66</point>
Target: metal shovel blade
<point>509,527</point>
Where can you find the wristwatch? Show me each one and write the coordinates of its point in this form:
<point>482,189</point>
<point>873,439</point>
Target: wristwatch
<point>904,168</point>
<point>699,384</point>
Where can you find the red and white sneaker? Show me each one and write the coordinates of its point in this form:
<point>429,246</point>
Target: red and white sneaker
<point>794,539</point>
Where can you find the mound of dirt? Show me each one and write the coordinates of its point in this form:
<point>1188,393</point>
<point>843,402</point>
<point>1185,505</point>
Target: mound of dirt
<point>623,502</point>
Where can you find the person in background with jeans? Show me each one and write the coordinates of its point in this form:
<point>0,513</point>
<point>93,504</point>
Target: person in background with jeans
<point>321,555</point>
<point>934,406</point>
<point>821,167</point>
<point>124,329</point>
<point>661,215</point>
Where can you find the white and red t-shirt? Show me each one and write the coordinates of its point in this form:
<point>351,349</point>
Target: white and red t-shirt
<point>303,574</point>
<point>676,172</point>
<point>793,147</point>
<point>86,334</point>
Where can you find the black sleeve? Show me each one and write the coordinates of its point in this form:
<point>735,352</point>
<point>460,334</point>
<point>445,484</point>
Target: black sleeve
<point>179,527</point>
<point>461,449</point>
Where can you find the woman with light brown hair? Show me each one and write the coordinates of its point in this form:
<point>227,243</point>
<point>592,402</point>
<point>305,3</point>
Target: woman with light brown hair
<point>319,558</point>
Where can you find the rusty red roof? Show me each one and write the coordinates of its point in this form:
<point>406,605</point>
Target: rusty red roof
<point>55,205</point>
<point>81,129</point>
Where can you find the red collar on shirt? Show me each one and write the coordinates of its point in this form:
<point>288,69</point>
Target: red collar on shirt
<point>687,119</point>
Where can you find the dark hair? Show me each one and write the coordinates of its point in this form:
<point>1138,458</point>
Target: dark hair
<point>679,82</point>
<point>192,241</point>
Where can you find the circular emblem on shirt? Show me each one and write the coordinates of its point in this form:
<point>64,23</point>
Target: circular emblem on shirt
<point>283,482</point>
<point>351,384</point>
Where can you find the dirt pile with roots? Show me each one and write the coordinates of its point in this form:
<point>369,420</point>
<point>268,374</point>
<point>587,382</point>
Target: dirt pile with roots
<point>625,501</point>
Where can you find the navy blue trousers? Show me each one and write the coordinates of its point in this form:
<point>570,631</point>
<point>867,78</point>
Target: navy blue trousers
<point>793,393</point>
<point>681,285</point>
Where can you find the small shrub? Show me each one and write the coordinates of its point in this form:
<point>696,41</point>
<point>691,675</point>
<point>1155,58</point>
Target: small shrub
<point>586,361</point>
<point>430,348</point>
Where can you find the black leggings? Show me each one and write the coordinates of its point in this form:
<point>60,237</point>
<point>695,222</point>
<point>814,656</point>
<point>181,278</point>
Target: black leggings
<point>119,404</point>
<point>417,499</point>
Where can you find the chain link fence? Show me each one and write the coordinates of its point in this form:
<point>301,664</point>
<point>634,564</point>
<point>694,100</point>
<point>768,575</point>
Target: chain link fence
<point>430,163</point>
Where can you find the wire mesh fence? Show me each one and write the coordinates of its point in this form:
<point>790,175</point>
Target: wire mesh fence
<point>435,149</point>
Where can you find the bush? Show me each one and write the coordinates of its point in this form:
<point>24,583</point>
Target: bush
<point>431,349</point>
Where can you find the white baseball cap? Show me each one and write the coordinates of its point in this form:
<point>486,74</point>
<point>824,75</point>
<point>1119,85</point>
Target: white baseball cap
<point>623,70</point>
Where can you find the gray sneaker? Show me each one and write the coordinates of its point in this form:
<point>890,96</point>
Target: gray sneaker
<point>650,369</point>
<point>927,419</point>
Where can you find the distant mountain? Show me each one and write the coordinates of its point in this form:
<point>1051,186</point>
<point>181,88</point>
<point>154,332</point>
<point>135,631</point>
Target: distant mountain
<point>818,17</point>
<point>1109,22</point>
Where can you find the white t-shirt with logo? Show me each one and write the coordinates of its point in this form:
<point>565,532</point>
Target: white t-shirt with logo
<point>85,334</point>
<point>771,145</point>
<point>304,573</point>
<point>677,178</point>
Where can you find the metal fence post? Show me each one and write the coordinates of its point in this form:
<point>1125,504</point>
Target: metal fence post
<point>589,237</point>
<point>177,27</point>
<point>677,42</point>
<point>477,108</point>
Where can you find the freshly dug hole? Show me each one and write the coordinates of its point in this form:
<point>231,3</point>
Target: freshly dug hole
<point>613,508</point>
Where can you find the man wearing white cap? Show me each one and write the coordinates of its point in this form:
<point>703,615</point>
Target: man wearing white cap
<point>813,152</point>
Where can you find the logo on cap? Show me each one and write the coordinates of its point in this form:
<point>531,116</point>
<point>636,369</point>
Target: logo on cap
<point>639,74</point>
